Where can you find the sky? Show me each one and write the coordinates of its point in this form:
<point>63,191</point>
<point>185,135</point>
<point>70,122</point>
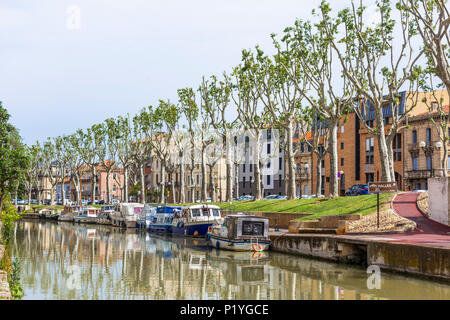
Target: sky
<point>66,65</point>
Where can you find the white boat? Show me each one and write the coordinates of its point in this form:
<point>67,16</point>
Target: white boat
<point>88,215</point>
<point>128,215</point>
<point>241,232</point>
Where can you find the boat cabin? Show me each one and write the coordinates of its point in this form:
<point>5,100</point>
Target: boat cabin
<point>200,213</point>
<point>240,226</point>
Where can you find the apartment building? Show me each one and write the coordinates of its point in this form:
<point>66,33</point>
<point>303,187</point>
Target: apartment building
<point>424,150</point>
<point>272,165</point>
<point>358,155</point>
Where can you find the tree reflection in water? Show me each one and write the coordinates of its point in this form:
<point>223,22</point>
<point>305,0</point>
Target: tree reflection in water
<point>125,264</point>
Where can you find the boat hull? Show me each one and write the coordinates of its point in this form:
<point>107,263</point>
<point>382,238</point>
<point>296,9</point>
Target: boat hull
<point>188,229</point>
<point>160,228</point>
<point>239,245</point>
<point>89,220</point>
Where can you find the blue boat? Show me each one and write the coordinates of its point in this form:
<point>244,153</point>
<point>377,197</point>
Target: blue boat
<point>195,220</point>
<point>162,220</point>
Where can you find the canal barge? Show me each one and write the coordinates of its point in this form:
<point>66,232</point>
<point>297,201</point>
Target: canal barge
<point>104,216</point>
<point>241,232</point>
<point>146,216</point>
<point>87,215</point>
<point>163,218</point>
<point>69,212</point>
<point>195,220</point>
<point>127,217</point>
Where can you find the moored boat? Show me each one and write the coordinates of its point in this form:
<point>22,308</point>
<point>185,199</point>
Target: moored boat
<point>69,212</point>
<point>241,232</point>
<point>146,216</point>
<point>105,214</point>
<point>162,220</point>
<point>195,220</point>
<point>127,217</point>
<point>88,215</point>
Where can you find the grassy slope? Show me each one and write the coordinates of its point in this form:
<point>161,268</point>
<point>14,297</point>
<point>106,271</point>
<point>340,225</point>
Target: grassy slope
<point>317,207</point>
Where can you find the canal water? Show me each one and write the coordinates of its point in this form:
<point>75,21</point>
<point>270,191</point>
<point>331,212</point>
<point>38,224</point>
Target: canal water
<point>69,261</point>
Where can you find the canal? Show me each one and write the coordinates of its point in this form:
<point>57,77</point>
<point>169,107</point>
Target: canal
<point>68,261</point>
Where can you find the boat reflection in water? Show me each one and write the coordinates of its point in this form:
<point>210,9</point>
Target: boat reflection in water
<point>116,263</point>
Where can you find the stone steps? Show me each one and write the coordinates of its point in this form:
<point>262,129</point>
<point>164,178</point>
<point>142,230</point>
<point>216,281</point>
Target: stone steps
<point>336,224</point>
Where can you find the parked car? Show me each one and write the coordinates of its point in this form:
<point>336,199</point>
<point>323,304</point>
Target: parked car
<point>99,201</point>
<point>46,202</point>
<point>271,197</point>
<point>34,201</point>
<point>357,190</point>
<point>280,197</point>
<point>115,201</point>
<point>245,198</point>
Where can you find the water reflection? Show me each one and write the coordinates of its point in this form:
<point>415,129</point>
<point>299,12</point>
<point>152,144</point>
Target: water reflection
<point>119,264</point>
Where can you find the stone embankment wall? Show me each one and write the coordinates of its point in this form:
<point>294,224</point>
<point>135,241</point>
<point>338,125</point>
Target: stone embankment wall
<point>276,219</point>
<point>414,259</point>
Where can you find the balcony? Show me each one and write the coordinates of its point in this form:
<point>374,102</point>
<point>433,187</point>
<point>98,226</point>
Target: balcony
<point>418,174</point>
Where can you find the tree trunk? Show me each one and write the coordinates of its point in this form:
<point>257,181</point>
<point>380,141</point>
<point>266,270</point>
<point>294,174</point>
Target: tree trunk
<point>332,147</point>
<point>172,188</point>
<point>29,197</point>
<point>236,180</point>
<point>382,147</point>
<point>257,187</point>
<point>212,186</point>
<point>319,177</point>
<point>63,193</point>
<point>192,200</point>
<point>204,191</point>
<point>229,176</point>
<point>108,186</point>
<point>182,198</point>
<point>52,190</point>
<point>125,184</point>
<point>290,192</point>
<point>445,159</point>
<point>143,191</point>
<point>163,182</point>
<point>94,184</point>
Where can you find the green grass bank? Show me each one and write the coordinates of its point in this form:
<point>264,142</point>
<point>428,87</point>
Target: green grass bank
<point>317,207</point>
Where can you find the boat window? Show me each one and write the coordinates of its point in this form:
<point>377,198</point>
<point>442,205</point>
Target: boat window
<point>216,212</point>
<point>250,228</point>
<point>205,212</point>
<point>196,212</point>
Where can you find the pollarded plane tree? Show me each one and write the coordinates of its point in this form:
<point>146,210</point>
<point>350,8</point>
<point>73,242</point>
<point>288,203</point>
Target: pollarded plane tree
<point>204,135</point>
<point>250,114</point>
<point>378,65</point>
<point>121,136</point>
<point>181,157</point>
<point>218,109</point>
<point>61,164</point>
<point>306,54</point>
<point>50,165</point>
<point>313,130</point>
<point>112,155</point>
<point>281,97</point>
<point>31,173</point>
<point>162,121</point>
<point>75,162</point>
<point>141,148</point>
<point>190,110</point>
